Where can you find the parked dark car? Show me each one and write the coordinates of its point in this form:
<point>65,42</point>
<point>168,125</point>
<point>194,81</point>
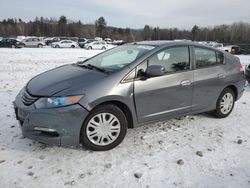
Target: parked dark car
<point>87,41</point>
<point>10,43</point>
<point>247,73</point>
<point>49,41</point>
<point>81,42</point>
<point>94,101</point>
<point>118,42</point>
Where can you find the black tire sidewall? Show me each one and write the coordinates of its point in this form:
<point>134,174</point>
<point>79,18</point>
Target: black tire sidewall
<point>106,109</point>
<point>218,112</point>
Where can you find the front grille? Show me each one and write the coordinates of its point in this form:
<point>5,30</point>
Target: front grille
<point>28,99</point>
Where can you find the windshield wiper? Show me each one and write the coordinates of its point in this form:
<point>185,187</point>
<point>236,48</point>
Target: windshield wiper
<point>90,66</point>
<point>82,61</point>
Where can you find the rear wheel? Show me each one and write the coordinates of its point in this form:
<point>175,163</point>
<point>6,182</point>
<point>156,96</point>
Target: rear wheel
<point>89,48</point>
<point>72,46</point>
<point>39,45</point>
<point>225,103</point>
<point>104,128</point>
<point>103,48</point>
<point>57,46</point>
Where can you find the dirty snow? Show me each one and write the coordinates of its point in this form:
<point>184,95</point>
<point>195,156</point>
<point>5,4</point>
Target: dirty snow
<point>192,151</point>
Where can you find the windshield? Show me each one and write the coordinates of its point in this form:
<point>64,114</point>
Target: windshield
<point>119,57</point>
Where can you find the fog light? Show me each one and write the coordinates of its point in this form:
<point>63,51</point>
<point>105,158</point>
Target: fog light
<point>44,129</point>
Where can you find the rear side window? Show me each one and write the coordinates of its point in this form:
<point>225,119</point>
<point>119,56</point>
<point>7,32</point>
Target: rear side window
<point>220,57</point>
<point>206,57</point>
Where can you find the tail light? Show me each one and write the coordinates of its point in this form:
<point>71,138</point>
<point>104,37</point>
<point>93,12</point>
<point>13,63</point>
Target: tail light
<point>241,68</point>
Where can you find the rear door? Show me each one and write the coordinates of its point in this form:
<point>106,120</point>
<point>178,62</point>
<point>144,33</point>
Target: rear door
<point>209,77</point>
<point>97,45</point>
<point>63,44</point>
<point>169,94</point>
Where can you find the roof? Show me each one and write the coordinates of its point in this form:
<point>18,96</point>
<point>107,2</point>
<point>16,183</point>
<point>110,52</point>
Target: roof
<point>165,42</point>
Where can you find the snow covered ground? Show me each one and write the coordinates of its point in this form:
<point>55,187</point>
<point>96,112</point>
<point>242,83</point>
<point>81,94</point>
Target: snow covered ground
<point>192,151</point>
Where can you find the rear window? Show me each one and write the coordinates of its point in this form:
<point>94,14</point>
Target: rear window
<point>206,57</point>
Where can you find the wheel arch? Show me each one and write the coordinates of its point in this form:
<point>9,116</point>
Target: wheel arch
<point>124,107</point>
<point>235,90</point>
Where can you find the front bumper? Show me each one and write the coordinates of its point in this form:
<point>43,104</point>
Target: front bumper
<point>55,126</point>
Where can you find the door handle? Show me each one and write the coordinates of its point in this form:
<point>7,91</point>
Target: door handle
<point>185,83</point>
<point>221,75</point>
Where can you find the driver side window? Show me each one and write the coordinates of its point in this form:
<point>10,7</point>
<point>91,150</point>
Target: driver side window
<point>172,59</point>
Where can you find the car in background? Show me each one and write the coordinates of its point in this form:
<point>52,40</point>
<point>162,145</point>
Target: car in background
<point>64,44</point>
<point>118,42</point>
<point>49,41</point>
<point>232,49</point>
<point>95,101</point>
<point>82,42</point>
<point>10,43</point>
<point>96,45</point>
<point>87,42</point>
<point>108,40</point>
<point>247,73</point>
<point>33,42</point>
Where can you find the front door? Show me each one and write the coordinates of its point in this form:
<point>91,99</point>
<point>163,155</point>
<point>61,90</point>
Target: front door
<point>169,94</point>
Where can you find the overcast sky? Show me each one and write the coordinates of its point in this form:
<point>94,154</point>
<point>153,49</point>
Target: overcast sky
<point>133,13</point>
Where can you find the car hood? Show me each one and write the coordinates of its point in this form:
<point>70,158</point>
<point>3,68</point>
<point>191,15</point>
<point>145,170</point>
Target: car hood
<point>63,78</point>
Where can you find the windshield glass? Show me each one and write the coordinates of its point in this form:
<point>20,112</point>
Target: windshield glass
<point>117,58</point>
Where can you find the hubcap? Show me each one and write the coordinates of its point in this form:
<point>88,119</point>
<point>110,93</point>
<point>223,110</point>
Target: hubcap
<point>226,103</point>
<point>103,129</point>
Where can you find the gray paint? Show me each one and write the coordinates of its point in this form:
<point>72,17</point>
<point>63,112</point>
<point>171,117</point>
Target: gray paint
<point>148,99</point>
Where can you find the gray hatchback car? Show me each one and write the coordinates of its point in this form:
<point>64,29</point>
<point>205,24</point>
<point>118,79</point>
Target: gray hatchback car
<point>94,102</point>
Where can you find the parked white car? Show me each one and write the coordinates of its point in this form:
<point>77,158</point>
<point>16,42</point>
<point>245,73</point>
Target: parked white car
<point>97,45</point>
<point>64,44</point>
<point>33,42</point>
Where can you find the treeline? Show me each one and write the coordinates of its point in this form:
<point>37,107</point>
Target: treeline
<point>49,27</point>
<point>62,27</point>
<point>234,33</point>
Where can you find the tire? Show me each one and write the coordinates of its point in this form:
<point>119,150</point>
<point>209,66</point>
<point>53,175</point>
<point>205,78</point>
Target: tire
<point>97,142</point>
<point>89,48</point>
<point>57,46</point>
<point>103,48</point>
<point>39,45</point>
<point>221,112</point>
<point>72,46</point>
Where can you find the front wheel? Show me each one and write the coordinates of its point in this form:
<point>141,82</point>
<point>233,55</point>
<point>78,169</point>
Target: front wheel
<point>72,46</point>
<point>104,128</point>
<point>225,103</point>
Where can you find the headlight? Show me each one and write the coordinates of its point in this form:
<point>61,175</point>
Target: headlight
<point>54,102</point>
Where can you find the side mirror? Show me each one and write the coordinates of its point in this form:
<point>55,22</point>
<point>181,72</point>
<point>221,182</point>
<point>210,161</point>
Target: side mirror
<point>155,70</point>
